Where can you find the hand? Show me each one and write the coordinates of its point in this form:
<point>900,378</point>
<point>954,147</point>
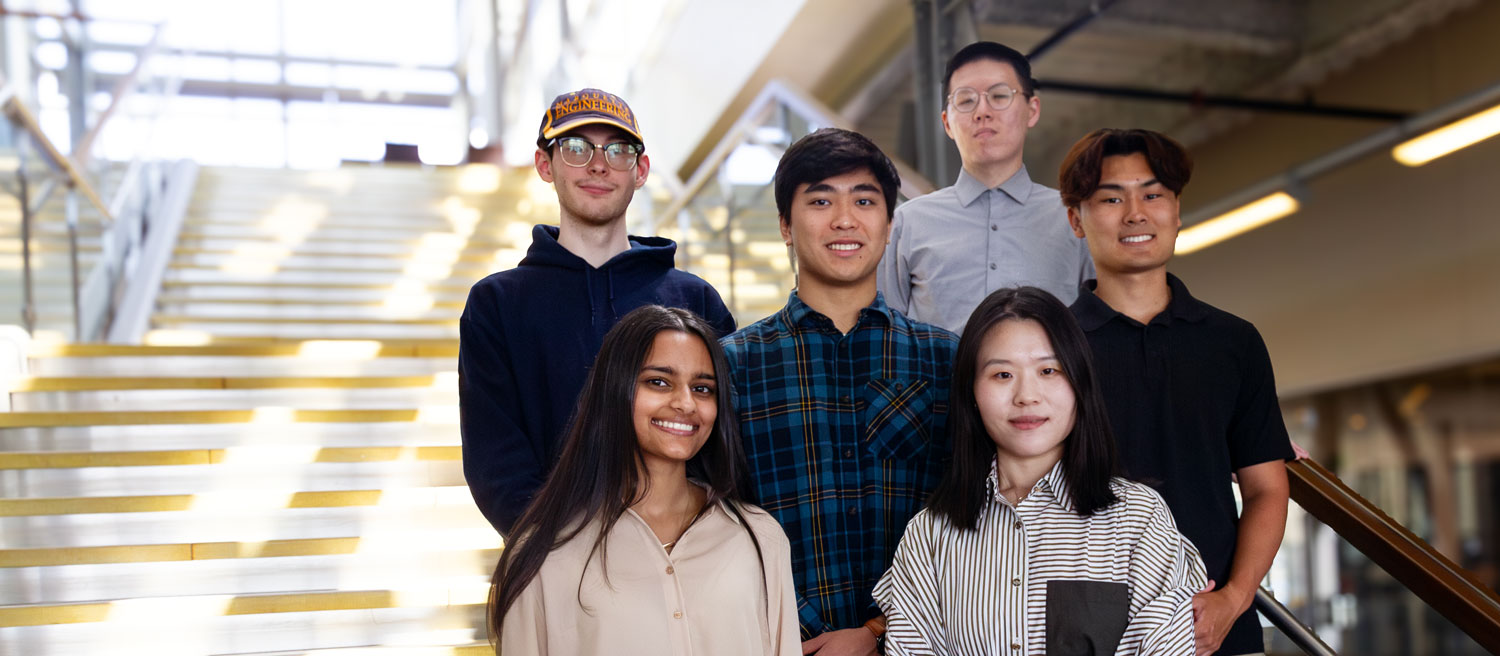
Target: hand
<point>848,642</point>
<point>1214,612</point>
<point>1299,452</point>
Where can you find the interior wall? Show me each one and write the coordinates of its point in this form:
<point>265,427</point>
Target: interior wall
<point>1386,269</point>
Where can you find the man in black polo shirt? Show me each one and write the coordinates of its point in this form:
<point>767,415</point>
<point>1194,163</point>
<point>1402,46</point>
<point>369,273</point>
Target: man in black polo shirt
<point>1189,387</point>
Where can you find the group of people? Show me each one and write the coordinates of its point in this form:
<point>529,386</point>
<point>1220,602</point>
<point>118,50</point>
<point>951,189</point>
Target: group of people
<point>985,422</point>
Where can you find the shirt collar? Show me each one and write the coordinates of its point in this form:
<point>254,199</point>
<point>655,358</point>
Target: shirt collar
<point>969,188</point>
<point>1051,488</point>
<point>799,315</point>
<point>1093,312</point>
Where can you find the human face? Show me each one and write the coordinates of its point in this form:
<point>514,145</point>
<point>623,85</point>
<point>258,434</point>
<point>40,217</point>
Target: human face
<point>675,401</point>
<point>1131,220</point>
<point>838,228</point>
<point>594,194</point>
<point>987,138</point>
<point>1024,397</point>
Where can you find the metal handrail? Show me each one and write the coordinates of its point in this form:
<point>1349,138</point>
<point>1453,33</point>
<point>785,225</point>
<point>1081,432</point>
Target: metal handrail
<point>1442,584</point>
<point>1283,619</point>
<point>785,94</point>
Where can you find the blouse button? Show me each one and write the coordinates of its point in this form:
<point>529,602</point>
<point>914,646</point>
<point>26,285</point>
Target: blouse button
<point>1018,526</point>
<point>994,227</point>
<point>1015,646</point>
<point>992,266</point>
<point>677,615</point>
<point>670,570</point>
<point>1015,581</point>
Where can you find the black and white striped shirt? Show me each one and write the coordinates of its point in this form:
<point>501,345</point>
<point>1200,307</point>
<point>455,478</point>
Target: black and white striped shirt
<point>986,591</point>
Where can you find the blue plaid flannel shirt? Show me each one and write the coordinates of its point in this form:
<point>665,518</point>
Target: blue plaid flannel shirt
<point>845,436</point>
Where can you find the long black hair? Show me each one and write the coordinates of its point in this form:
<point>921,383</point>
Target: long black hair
<point>599,474</point>
<point>1089,457</point>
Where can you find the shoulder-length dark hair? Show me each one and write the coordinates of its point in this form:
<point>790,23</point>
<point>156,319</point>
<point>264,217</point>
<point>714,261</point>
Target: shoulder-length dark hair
<point>599,474</point>
<point>1089,458</point>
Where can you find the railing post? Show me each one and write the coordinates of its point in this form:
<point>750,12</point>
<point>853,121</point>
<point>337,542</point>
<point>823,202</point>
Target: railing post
<point>28,307</point>
<point>1288,624</point>
<point>70,213</point>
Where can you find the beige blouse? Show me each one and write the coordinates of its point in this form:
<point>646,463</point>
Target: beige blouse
<point>703,599</point>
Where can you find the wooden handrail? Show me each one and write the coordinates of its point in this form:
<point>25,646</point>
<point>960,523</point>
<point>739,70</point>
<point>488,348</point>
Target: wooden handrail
<point>1449,589</point>
<point>17,112</point>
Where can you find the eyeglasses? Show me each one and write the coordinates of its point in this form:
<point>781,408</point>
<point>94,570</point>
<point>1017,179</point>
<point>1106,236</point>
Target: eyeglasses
<point>577,152</point>
<point>965,99</point>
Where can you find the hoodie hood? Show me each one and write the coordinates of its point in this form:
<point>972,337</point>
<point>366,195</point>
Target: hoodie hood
<point>649,252</point>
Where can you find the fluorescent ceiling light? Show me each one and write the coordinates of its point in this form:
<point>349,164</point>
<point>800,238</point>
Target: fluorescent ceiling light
<point>1451,137</point>
<point>1235,222</point>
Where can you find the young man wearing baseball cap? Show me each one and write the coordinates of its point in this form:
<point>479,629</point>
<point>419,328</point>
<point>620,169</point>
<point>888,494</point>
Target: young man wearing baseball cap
<point>528,335</point>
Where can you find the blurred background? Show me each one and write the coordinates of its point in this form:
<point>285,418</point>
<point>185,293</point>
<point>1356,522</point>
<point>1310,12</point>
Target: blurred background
<point>235,239</point>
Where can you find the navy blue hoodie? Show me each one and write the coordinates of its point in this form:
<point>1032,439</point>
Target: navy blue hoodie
<point>526,341</point>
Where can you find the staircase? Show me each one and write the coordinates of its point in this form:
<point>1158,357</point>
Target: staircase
<point>277,469</point>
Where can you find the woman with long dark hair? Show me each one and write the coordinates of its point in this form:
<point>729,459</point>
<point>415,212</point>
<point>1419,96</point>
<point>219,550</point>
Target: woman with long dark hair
<point>1031,544</point>
<point>638,542</point>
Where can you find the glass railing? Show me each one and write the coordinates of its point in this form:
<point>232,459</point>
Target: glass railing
<point>724,217</point>
<point>82,189</point>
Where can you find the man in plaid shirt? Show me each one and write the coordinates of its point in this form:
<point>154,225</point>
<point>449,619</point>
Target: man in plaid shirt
<point>842,400</point>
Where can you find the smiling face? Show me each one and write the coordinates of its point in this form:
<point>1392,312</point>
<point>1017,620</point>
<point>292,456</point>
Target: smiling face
<point>1131,220</point>
<point>838,228</point>
<point>675,402</point>
<point>988,138</point>
<point>594,194</point>
<point>1024,398</point>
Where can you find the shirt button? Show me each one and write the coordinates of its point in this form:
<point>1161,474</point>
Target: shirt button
<point>853,510</point>
<point>1015,646</point>
<point>992,266</point>
<point>845,398</point>
<point>848,453</point>
<point>677,615</point>
<point>994,227</point>
<point>1018,526</point>
<point>900,386</point>
<point>1015,581</point>
<point>670,571</point>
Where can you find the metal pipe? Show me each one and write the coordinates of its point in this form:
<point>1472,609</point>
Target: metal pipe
<point>1234,102</point>
<point>28,307</point>
<point>1290,626</point>
<point>1340,157</point>
<point>1066,31</point>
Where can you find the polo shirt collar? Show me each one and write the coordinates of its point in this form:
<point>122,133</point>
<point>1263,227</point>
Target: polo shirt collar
<point>799,315</point>
<point>969,188</point>
<point>1092,312</point>
<point>1052,487</point>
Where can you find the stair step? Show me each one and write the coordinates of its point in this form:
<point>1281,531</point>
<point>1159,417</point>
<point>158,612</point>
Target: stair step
<point>412,497</point>
<point>192,479</point>
<point>265,417</point>
<point>160,437</point>
<point>341,348</point>
<point>78,583</point>
<point>321,330</point>
<point>393,526</point>
<point>77,459</point>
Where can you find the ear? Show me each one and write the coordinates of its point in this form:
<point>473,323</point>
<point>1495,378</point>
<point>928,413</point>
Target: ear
<point>946,129</point>
<point>543,163</point>
<point>1034,104</point>
<point>642,168</point>
<point>1077,222</point>
<point>786,229</point>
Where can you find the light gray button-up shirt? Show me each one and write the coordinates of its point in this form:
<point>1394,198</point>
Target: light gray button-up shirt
<point>953,247</point>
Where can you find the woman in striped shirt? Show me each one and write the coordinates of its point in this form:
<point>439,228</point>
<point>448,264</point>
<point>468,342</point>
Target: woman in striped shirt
<point>1031,544</point>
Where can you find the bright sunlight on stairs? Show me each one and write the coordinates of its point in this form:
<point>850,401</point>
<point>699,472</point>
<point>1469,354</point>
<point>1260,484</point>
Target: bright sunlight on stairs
<point>277,469</point>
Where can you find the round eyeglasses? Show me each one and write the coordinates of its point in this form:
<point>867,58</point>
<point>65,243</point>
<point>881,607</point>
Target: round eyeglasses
<point>965,99</point>
<point>577,152</point>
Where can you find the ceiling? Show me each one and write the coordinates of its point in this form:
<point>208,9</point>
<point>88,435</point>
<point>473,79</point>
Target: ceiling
<point>1259,49</point>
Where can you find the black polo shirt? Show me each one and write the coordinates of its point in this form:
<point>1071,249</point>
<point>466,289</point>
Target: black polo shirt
<point>1191,399</point>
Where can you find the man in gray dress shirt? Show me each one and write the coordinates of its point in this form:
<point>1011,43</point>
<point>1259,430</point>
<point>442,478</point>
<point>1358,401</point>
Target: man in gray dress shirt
<point>993,228</point>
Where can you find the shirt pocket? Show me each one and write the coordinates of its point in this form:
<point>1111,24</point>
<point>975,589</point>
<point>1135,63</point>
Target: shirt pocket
<point>1086,618</point>
<point>897,417</point>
